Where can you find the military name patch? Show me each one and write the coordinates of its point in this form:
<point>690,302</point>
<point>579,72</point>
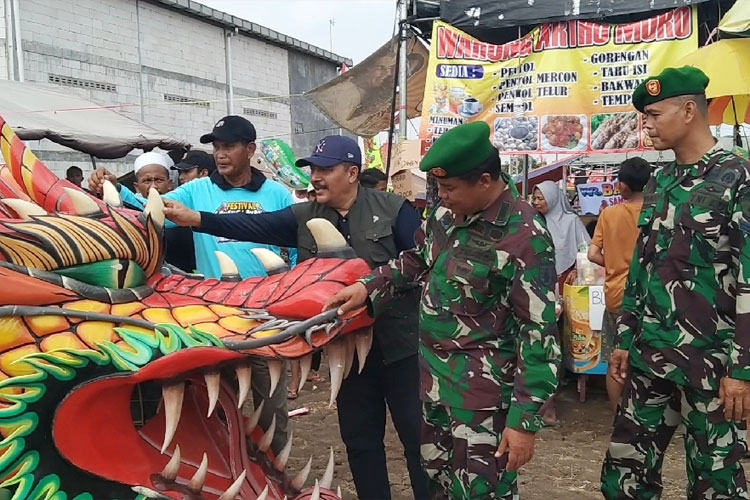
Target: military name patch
<point>708,201</point>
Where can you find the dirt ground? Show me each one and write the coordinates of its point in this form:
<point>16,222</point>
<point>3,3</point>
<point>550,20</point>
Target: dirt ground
<point>566,462</point>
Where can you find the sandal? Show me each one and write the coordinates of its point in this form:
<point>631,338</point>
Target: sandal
<point>291,394</point>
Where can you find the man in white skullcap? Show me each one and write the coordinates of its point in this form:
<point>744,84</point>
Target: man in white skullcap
<point>151,170</point>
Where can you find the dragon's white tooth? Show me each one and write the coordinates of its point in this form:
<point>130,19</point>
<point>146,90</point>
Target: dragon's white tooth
<point>25,209</point>
<point>226,265</point>
<point>274,371</point>
<point>299,481</point>
<point>363,343</point>
<point>263,494</point>
<point>338,492</point>
<point>252,422</point>
<point>349,344</point>
<point>83,204</point>
<point>325,234</point>
<point>271,261</point>
<point>316,492</point>
<point>327,479</point>
<point>265,442</point>
<point>173,467</point>
<point>196,483</point>
<point>283,457</point>
<point>213,381</point>
<point>234,489</point>
<point>336,363</point>
<point>305,364</point>
<point>244,379</point>
<point>110,195</point>
<point>172,396</point>
<point>149,493</point>
<point>155,208</point>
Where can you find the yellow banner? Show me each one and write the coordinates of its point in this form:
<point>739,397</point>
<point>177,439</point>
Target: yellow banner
<point>372,154</point>
<point>564,87</point>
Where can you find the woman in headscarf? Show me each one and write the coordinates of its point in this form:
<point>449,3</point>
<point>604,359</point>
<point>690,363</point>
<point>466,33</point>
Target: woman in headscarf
<point>567,230</point>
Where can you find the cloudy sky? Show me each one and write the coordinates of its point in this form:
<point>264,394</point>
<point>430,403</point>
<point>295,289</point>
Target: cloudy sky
<point>360,26</point>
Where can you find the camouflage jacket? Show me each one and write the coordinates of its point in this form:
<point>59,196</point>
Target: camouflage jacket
<point>686,310</point>
<point>487,315</point>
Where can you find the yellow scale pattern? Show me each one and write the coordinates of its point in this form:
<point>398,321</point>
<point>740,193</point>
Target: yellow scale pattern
<point>21,336</point>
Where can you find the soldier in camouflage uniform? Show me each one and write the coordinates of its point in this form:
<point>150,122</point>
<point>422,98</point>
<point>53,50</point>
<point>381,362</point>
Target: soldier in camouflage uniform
<point>488,341</point>
<point>683,344</point>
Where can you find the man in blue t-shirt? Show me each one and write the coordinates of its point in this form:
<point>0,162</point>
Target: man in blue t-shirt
<point>235,187</point>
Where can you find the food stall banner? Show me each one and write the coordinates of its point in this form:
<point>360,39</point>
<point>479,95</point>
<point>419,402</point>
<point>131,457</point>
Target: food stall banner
<point>565,87</point>
<point>594,197</point>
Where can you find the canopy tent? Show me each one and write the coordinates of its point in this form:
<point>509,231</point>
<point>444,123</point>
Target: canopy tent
<point>37,111</point>
<point>736,22</point>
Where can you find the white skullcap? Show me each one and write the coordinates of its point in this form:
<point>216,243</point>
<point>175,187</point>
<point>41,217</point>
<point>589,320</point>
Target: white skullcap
<point>152,158</point>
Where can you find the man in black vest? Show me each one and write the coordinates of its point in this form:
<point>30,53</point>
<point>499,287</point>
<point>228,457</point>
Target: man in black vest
<point>378,226</point>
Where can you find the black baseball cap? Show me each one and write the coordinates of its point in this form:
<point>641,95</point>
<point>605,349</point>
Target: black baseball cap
<point>231,128</point>
<point>196,159</point>
<point>332,150</point>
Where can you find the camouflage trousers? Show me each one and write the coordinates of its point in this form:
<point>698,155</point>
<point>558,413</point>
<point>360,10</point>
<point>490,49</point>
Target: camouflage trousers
<point>458,454</point>
<point>651,410</point>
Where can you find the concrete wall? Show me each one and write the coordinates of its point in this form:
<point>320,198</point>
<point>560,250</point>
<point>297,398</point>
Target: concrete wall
<point>305,73</point>
<point>152,59</point>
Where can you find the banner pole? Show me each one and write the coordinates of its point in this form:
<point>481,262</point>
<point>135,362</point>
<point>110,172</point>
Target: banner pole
<point>525,187</point>
<point>403,72</point>
<point>392,129</point>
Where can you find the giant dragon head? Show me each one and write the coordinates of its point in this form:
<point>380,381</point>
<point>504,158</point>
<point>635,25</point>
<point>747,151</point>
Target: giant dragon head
<point>123,379</point>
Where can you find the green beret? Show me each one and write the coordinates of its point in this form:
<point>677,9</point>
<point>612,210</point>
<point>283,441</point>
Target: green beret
<point>459,151</point>
<point>672,82</point>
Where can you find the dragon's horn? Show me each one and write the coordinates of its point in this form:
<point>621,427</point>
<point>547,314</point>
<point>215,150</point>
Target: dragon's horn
<point>271,261</point>
<point>83,204</point>
<point>155,208</point>
<point>35,179</point>
<point>326,236</point>
<point>24,209</point>
<point>110,195</point>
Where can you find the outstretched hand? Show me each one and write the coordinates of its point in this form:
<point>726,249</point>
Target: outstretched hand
<point>97,178</point>
<point>348,299</point>
<point>180,214</point>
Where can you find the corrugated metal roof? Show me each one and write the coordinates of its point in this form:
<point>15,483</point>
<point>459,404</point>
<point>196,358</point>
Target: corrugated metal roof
<point>249,28</point>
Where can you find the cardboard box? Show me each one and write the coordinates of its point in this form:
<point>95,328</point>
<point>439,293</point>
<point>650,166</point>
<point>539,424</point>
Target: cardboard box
<point>405,160</point>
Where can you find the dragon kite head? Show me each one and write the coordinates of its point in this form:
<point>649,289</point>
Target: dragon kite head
<point>122,378</point>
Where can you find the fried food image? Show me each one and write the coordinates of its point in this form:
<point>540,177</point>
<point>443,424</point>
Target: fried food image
<point>565,131</point>
<point>614,131</point>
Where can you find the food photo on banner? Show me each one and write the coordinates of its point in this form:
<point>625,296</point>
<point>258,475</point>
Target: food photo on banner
<point>565,87</point>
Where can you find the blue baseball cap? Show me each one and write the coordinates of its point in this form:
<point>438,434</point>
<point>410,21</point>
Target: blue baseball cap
<point>331,151</point>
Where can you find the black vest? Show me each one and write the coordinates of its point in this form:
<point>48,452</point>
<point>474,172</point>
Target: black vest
<point>371,223</point>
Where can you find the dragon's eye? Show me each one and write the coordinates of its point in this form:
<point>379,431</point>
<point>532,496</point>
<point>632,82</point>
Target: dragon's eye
<point>107,273</point>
